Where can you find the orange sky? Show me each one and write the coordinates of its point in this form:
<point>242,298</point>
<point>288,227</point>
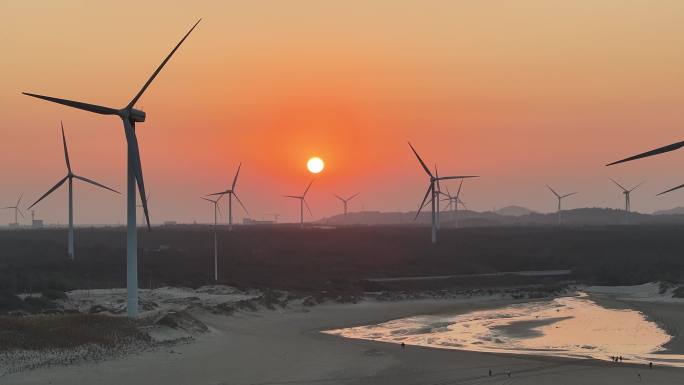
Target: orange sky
<point>520,92</point>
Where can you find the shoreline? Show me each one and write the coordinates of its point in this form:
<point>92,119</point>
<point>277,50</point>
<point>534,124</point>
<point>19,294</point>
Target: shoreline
<point>291,344</point>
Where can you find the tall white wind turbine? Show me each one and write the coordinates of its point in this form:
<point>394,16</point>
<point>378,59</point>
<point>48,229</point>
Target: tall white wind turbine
<point>560,198</point>
<point>231,193</point>
<point>70,178</point>
<point>17,210</point>
<point>302,203</point>
<point>432,192</point>
<point>627,192</point>
<point>129,116</point>
<point>345,201</point>
<point>217,210</point>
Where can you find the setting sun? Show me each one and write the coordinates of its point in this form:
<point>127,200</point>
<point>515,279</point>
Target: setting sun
<point>315,165</point>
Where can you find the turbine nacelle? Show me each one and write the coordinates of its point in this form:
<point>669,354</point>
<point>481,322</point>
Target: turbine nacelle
<point>136,115</point>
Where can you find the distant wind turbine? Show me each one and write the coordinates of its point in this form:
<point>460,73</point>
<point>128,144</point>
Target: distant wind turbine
<point>129,117</point>
<point>302,203</point>
<point>345,201</point>
<point>231,192</point>
<point>70,178</point>
<point>454,201</point>
<point>560,198</point>
<point>657,151</point>
<point>432,192</point>
<point>217,210</point>
<point>16,209</point>
<point>627,192</point>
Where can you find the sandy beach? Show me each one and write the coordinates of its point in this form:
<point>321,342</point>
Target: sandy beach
<point>287,347</point>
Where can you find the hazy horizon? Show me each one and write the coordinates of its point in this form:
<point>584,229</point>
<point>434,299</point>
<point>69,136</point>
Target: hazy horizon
<point>543,92</point>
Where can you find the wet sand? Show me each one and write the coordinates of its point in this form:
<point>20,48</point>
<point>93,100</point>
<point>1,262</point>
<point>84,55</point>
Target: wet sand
<point>272,347</point>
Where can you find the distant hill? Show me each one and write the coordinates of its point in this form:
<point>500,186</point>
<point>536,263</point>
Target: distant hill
<point>674,211</point>
<point>514,211</point>
<point>590,216</point>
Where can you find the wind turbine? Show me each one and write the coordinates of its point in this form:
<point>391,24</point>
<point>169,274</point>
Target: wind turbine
<point>661,150</point>
<point>302,203</point>
<point>129,117</point>
<point>626,192</point>
<point>454,201</point>
<point>140,206</point>
<point>560,198</point>
<point>70,178</point>
<point>231,192</point>
<point>16,210</point>
<point>433,192</point>
<point>217,210</point>
<point>345,201</point>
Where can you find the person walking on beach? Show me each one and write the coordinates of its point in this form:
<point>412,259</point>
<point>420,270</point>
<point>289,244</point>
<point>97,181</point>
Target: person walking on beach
<point>639,376</point>
<point>650,365</point>
<point>490,372</point>
<point>403,346</point>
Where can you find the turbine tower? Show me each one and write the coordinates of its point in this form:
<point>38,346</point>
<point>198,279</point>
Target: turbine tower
<point>345,201</point>
<point>627,192</point>
<point>16,210</point>
<point>560,198</point>
<point>661,150</point>
<point>70,178</point>
<point>129,116</point>
<point>302,203</point>
<point>231,192</point>
<point>217,210</point>
<point>432,191</point>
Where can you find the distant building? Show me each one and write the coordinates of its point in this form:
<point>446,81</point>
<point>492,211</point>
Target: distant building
<point>250,221</point>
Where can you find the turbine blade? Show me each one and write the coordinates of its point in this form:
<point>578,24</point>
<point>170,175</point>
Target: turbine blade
<point>55,187</point>
<point>459,189</point>
<point>353,196</point>
<point>619,185</point>
<point>456,177</point>
<point>425,167</point>
<point>439,188</point>
<point>339,197</point>
<point>95,183</point>
<point>307,188</point>
<point>567,195</point>
<point>236,176</point>
<point>672,189</point>
<point>218,207</point>
<point>156,72</point>
<point>292,196</point>
<point>19,200</point>
<point>20,213</point>
<point>208,200</point>
<point>80,105</point>
<point>637,186</point>
<point>240,202</point>
<point>307,207</point>
<point>422,204</point>
<point>553,191</point>
<point>668,148</point>
<point>66,151</point>
<point>220,193</point>
<point>137,167</point>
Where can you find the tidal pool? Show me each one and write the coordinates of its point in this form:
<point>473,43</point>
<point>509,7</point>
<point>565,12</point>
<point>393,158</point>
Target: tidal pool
<point>574,327</point>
